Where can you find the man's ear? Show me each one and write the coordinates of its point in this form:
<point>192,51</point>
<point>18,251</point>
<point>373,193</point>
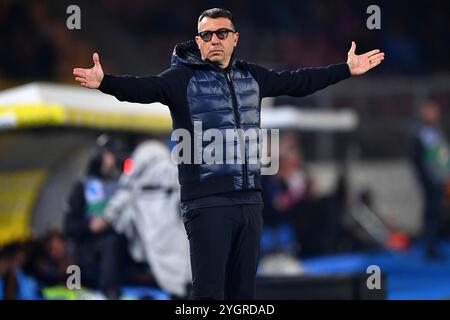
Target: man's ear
<point>197,41</point>
<point>236,39</point>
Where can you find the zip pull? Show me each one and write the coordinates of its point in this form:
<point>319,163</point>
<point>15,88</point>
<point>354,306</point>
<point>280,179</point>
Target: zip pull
<point>228,77</point>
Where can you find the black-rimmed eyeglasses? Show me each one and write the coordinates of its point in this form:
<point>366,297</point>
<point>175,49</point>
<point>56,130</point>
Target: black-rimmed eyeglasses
<point>221,34</point>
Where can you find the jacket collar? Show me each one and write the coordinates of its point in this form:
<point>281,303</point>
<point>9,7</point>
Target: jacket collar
<point>187,53</point>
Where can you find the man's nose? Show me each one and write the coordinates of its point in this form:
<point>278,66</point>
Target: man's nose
<point>215,39</point>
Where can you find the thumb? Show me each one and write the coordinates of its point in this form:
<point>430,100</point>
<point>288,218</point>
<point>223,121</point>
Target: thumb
<point>353,48</point>
<point>96,59</point>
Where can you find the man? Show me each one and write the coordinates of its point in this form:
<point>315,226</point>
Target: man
<point>98,249</point>
<point>431,161</point>
<point>221,203</point>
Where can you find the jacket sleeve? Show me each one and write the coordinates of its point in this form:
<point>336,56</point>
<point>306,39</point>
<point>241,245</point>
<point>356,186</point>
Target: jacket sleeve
<point>144,89</point>
<point>297,83</point>
<point>117,204</point>
<point>76,224</point>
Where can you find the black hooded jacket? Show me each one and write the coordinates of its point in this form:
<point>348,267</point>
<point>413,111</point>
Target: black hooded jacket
<point>198,91</point>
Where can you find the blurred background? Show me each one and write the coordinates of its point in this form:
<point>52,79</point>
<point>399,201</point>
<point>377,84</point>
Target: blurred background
<point>364,164</point>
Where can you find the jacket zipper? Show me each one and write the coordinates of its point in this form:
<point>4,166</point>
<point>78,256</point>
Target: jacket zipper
<point>237,119</point>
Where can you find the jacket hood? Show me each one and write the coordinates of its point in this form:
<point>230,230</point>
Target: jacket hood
<point>187,53</point>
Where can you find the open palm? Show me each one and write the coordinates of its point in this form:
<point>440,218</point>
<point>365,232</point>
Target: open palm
<point>360,64</point>
<point>90,78</point>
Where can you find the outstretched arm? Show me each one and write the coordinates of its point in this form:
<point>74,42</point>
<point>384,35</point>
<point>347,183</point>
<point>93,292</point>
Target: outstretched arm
<point>305,81</point>
<point>145,89</point>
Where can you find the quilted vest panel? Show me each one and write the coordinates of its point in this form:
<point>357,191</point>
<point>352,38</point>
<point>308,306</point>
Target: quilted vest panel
<point>220,101</point>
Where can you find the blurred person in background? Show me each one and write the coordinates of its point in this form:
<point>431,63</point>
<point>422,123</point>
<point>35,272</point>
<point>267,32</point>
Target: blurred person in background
<point>221,204</point>
<point>146,210</point>
<point>299,221</point>
<point>431,159</point>
<point>15,281</point>
<point>284,193</point>
<point>96,248</point>
<point>48,260</point>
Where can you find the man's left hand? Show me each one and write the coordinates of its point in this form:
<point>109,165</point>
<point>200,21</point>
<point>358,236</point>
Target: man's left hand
<point>360,64</point>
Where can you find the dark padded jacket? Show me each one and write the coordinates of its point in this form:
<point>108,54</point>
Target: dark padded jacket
<point>198,90</point>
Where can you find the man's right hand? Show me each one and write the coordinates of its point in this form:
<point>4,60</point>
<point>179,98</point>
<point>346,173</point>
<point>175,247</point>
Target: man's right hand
<point>97,225</point>
<point>90,78</point>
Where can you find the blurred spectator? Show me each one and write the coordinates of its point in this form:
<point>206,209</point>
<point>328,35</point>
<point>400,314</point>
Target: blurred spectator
<point>292,180</point>
<point>297,221</point>
<point>146,210</point>
<point>283,194</point>
<point>97,249</point>
<point>48,260</point>
<point>430,156</point>
<point>15,283</point>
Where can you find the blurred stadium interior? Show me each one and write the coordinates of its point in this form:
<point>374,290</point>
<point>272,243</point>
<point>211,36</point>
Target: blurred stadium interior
<point>49,128</point>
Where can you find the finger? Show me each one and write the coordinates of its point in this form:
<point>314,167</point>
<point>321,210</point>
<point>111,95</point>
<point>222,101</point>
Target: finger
<point>379,58</point>
<point>376,60</point>
<point>376,56</point>
<point>79,71</point>
<point>371,53</point>
<point>352,48</point>
<point>79,74</point>
<point>80,79</point>
<point>96,59</point>
<point>84,84</point>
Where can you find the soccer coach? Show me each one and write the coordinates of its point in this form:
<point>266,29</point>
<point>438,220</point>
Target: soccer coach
<point>221,204</point>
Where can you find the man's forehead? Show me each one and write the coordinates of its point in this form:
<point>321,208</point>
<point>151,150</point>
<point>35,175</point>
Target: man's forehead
<point>212,24</point>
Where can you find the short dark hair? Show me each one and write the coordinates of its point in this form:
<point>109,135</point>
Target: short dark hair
<point>217,13</point>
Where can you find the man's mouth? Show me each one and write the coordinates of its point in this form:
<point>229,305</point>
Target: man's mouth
<point>216,51</point>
